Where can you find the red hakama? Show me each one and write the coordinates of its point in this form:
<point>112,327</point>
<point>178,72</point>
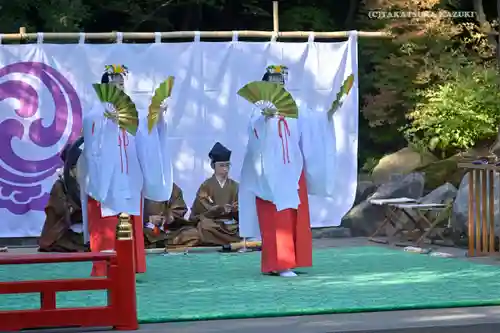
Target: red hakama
<point>286,235</point>
<point>102,232</point>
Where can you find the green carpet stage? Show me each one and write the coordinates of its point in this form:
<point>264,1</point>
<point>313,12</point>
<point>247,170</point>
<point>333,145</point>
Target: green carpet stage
<point>216,286</point>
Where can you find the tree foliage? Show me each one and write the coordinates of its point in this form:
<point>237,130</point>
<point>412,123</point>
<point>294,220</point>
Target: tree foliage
<point>429,54</point>
<point>457,113</point>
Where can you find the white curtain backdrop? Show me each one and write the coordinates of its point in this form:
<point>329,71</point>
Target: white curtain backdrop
<point>44,89</point>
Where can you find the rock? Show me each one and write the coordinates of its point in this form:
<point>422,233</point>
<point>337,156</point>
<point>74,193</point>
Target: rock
<point>331,232</point>
<point>364,218</point>
<point>409,186</point>
<point>444,171</point>
<point>443,194</point>
<point>460,212</point>
<point>362,176</point>
<point>364,189</point>
<point>403,162</point>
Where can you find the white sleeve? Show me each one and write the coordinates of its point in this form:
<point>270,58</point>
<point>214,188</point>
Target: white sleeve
<point>319,150</point>
<point>158,180</point>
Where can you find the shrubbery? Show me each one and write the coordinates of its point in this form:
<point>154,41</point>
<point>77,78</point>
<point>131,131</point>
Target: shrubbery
<point>458,113</point>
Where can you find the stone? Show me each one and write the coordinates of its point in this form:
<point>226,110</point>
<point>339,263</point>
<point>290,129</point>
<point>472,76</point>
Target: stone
<point>364,218</point>
<point>443,194</point>
<point>460,211</point>
<point>364,189</point>
<point>409,186</point>
<point>444,171</point>
<point>331,232</point>
<point>403,162</point>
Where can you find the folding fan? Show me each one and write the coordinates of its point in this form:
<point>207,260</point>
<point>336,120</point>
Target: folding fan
<point>125,113</point>
<point>269,95</point>
<point>161,94</point>
<point>344,91</point>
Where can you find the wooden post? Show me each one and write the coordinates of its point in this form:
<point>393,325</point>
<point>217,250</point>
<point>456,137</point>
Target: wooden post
<point>470,222</point>
<point>481,218</point>
<point>491,205</point>
<point>276,20</point>
<point>484,211</point>
<point>125,291</point>
<point>22,35</point>
<point>477,186</point>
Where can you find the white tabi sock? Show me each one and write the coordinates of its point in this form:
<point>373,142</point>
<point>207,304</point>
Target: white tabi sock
<point>288,273</point>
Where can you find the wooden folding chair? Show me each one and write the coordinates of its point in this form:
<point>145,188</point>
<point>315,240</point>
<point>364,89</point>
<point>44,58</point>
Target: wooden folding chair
<point>391,216</point>
<point>442,217</point>
<point>423,221</point>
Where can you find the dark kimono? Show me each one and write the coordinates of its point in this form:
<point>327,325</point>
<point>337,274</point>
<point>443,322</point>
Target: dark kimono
<point>216,227</point>
<point>61,213</point>
<point>173,211</point>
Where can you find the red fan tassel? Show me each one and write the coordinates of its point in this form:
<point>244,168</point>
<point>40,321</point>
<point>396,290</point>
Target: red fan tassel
<point>156,230</point>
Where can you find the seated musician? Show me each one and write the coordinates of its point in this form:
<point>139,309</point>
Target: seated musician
<point>62,231</point>
<point>215,208</point>
<point>163,219</point>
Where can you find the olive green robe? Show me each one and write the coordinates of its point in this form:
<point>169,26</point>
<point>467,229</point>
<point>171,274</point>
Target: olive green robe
<point>214,226</point>
<point>60,213</point>
<point>173,210</point>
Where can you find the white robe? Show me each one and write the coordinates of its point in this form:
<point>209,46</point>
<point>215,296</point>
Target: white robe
<point>154,157</point>
<point>271,169</point>
<point>319,149</point>
<point>100,172</point>
<point>108,168</point>
<point>114,175</point>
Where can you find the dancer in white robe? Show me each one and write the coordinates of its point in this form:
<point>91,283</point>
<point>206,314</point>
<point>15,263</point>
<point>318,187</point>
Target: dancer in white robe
<point>273,192</point>
<point>112,179</point>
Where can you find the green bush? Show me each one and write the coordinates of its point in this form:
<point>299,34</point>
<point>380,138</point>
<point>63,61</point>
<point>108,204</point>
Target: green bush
<point>458,113</point>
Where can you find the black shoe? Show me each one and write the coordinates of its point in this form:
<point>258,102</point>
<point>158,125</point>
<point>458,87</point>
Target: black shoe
<point>226,248</point>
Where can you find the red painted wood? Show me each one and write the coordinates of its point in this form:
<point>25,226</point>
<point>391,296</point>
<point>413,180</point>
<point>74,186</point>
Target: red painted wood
<point>121,312</point>
<point>47,258</point>
<point>18,287</point>
<point>84,317</point>
<point>47,300</point>
<point>123,271</point>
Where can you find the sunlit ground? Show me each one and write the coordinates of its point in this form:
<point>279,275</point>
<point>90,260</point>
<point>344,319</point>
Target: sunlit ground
<point>346,279</point>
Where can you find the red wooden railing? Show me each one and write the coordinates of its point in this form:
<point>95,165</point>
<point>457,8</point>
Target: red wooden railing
<point>120,312</point>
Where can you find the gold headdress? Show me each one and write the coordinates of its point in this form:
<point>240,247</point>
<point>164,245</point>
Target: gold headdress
<point>116,69</point>
<point>277,69</point>
<point>277,73</point>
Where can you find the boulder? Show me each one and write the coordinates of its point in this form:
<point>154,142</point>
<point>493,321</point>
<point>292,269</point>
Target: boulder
<point>403,162</point>
<point>443,194</point>
<point>331,232</point>
<point>364,189</point>
<point>364,218</point>
<point>440,172</point>
<point>409,186</point>
<point>460,212</point>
